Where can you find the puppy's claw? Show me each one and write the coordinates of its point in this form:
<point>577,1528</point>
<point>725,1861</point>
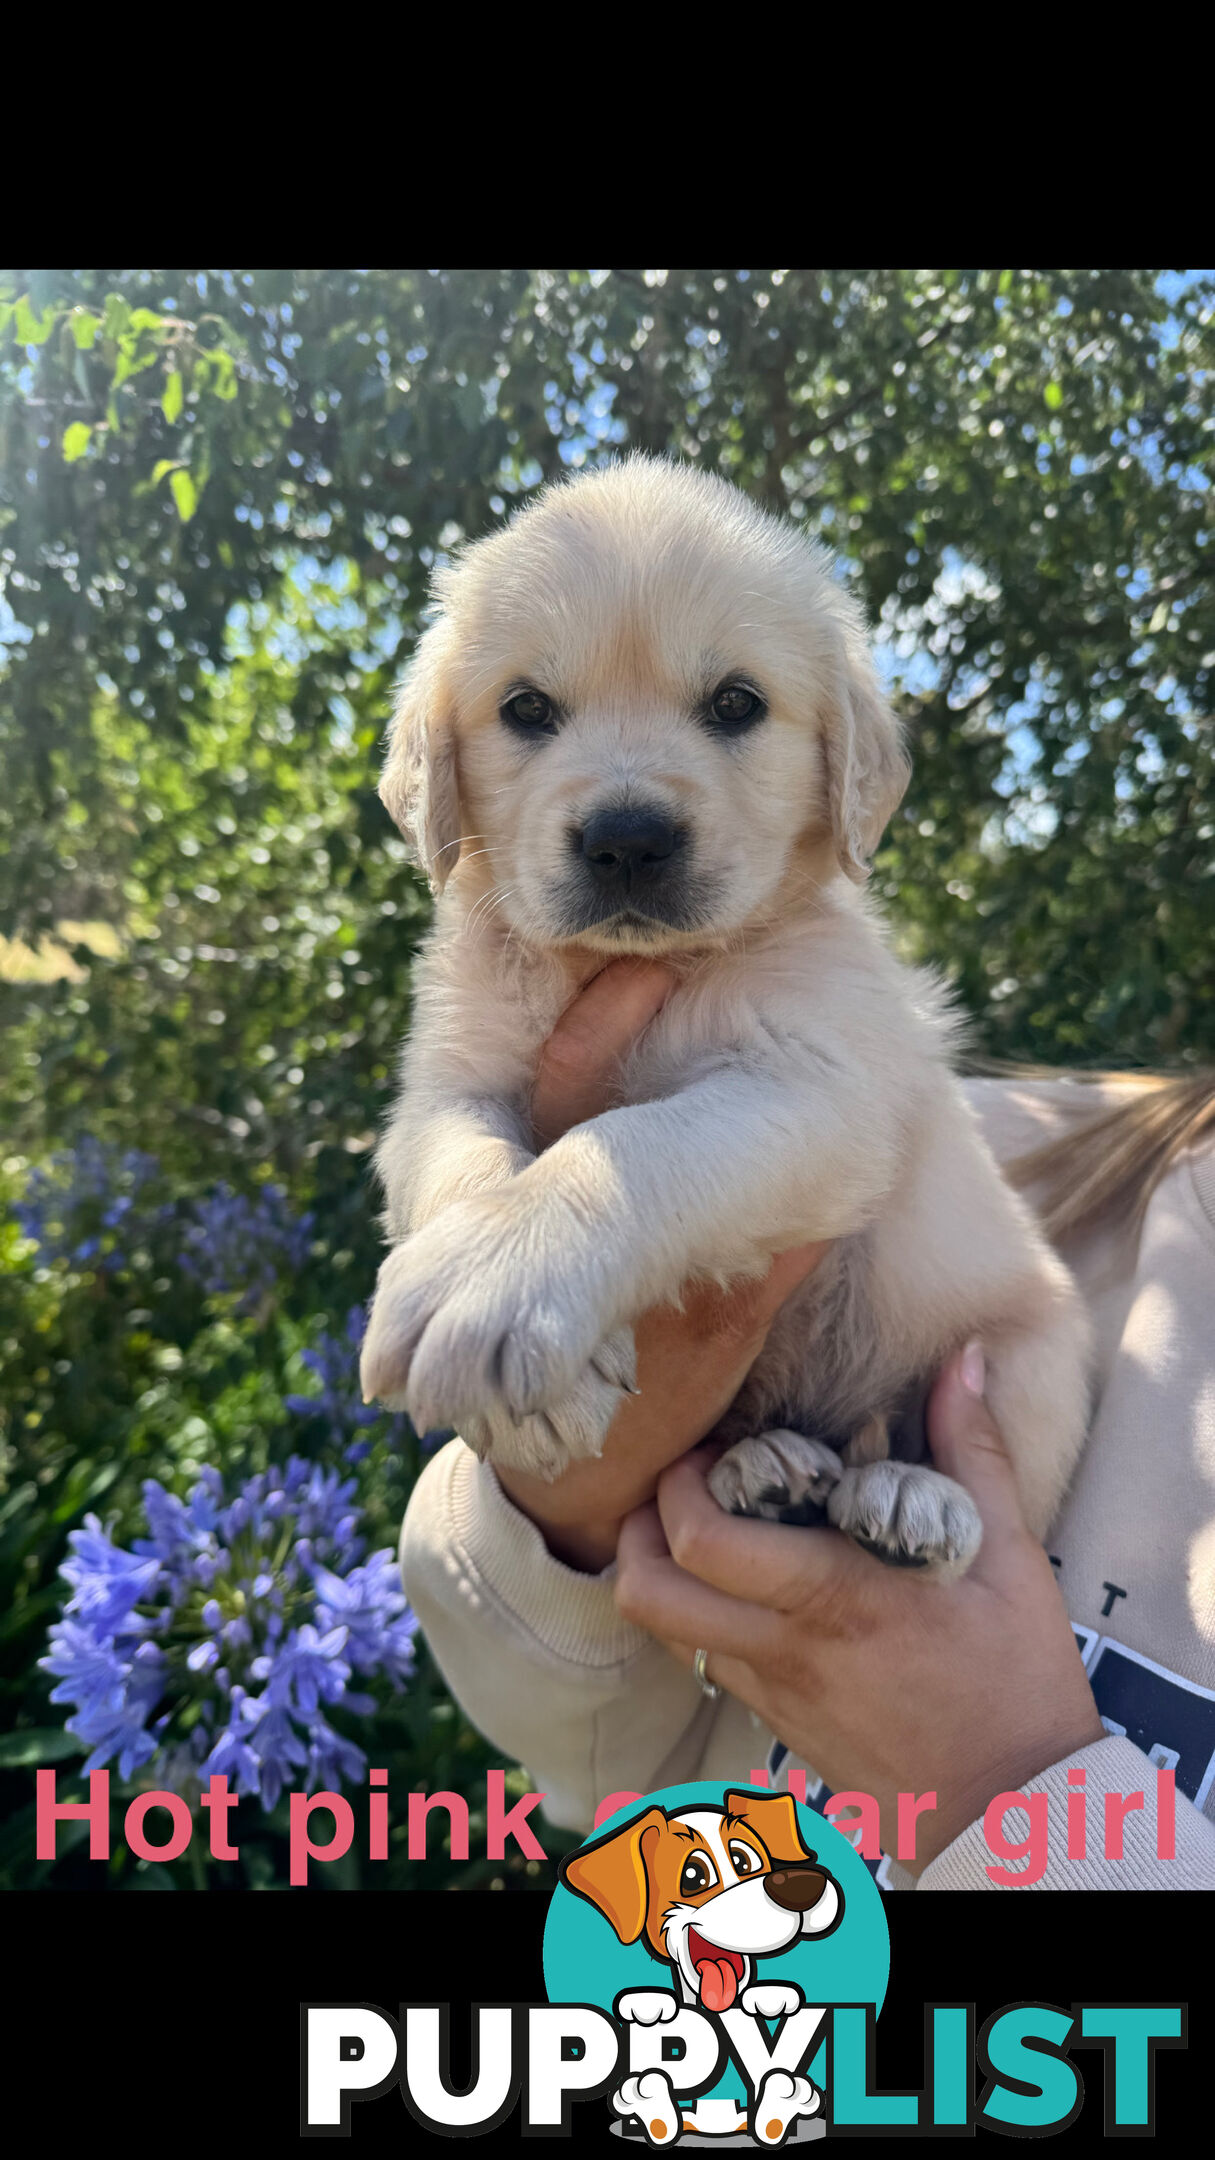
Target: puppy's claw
<point>615,1360</point>
<point>545,1443</point>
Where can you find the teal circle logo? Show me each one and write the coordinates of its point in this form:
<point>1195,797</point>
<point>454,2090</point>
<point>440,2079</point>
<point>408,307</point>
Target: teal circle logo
<point>629,1884</point>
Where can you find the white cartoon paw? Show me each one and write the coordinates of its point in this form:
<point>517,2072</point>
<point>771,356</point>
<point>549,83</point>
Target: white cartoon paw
<point>772,1999</point>
<point>647,2006</point>
<point>651,2098</point>
<point>492,1312</point>
<point>781,2100</point>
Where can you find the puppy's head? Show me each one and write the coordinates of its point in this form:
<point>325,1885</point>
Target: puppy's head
<point>642,706</point>
<point>710,1889</point>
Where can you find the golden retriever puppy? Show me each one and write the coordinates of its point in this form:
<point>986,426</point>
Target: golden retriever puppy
<point>645,720</point>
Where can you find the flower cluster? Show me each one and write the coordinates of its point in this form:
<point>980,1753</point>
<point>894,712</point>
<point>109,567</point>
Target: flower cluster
<point>216,1644</point>
<point>234,1244</point>
<point>334,1361</point>
<point>91,1204</point>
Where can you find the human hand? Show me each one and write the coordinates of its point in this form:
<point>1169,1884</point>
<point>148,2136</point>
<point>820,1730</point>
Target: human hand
<point>692,1361</point>
<point>884,1682</point>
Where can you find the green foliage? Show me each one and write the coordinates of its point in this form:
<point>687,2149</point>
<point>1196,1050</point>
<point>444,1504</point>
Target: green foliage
<point>221,495</point>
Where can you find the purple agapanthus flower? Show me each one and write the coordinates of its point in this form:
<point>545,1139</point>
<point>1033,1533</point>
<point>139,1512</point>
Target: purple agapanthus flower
<point>235,1245</point>
<point>92,1204</point>
<point>213,1645</point>
<point>333,1360</point>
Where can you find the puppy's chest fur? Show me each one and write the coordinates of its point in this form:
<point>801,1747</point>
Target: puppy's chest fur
<point>825,991</point>
<point>825,994</point>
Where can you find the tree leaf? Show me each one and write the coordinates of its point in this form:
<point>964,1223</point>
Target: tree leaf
<point>224,385</point>
<point>171,402</point>
<point>185,494</point>
<point>29,328</point>
<point>39,1744</point>
<point>117,315</point>
<point>1053,395</point>
<point>85,327</point>
<point>76,441</point>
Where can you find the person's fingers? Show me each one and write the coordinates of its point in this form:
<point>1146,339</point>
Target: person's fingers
<point>596,1028</point>
<point>657,1594</point>
<point>782,1568</point>
<point>725,1670</point>
<point>967,1445</point>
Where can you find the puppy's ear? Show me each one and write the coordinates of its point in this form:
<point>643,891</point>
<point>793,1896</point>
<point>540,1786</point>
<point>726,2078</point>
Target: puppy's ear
<point>867,765</point>
<point>773,1817</point>
<point>419,786</point>
<point>612,1874</point>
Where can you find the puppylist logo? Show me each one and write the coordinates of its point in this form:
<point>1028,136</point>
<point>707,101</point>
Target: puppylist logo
<point>715,1960</point>
<point>724,1898</point>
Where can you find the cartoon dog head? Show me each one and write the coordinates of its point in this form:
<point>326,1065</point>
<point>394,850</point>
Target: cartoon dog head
<point>710,1889</point>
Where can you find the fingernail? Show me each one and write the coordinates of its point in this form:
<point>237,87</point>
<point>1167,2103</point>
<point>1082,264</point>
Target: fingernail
<point>973,1369</point>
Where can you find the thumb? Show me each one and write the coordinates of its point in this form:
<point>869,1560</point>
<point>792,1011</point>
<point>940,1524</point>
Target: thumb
<point>580,1058</point>
<point>967,1444</point>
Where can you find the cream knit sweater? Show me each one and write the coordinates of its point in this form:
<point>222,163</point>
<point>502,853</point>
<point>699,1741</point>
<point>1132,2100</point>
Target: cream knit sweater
<point>543,1664</point>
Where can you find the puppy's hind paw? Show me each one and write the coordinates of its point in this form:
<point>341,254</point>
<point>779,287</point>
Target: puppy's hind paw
<point>908,1516</point>
<point>778,1476</point>
<point>651,2098</point>
<point>782,2099</point>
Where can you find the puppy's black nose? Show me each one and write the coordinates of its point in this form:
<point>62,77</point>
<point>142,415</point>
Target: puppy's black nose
<point>623,847</point>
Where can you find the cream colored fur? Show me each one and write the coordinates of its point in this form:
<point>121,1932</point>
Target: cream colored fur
<point>795,1086</point>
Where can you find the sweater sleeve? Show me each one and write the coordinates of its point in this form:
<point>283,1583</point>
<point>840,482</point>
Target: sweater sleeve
<point>1112,1765</point>
<point>535,1653</point>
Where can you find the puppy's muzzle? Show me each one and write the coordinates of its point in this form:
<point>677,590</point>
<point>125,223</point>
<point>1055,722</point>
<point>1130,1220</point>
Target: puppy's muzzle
<point>628,851</point>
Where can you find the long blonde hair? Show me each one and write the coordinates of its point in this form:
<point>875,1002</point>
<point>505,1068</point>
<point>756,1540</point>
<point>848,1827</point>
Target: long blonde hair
<point>1106,1169</point>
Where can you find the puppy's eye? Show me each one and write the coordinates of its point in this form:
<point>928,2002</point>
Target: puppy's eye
<point>530,711</point>
<point>743,1860</point>
<point>697,1875</point>
<point>734,707</point>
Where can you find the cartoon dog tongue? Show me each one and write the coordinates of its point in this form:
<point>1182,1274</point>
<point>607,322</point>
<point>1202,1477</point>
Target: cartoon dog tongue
<point>718,1977</point>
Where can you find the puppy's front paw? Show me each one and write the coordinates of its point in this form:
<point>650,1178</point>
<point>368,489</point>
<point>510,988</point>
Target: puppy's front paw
<point>646,2006</point>
<point>908,1516</point>
<point>491,1309</point>
<point>779,1476</point>
<point>574,1429</point>
<point>772,1999</point>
